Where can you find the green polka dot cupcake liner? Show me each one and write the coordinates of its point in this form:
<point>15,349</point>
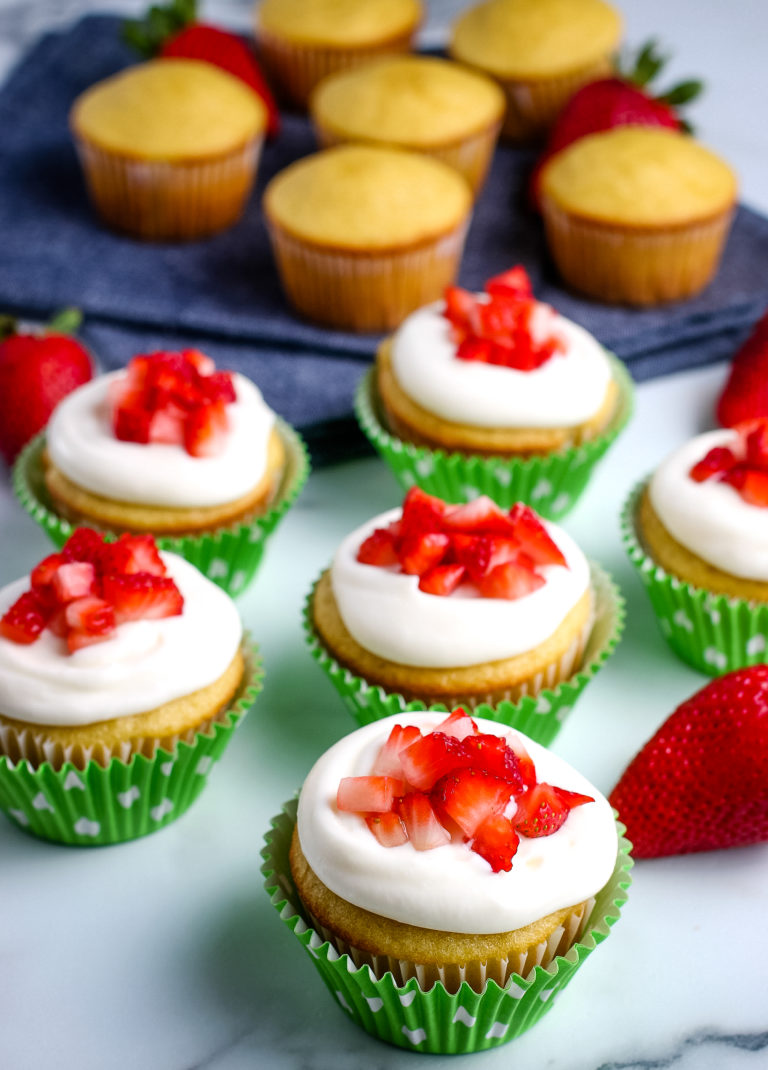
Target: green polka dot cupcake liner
<point>539,715</point>
<point>101,805</point>
<point>712,632</point>
<point>435,1020</point>
<point>229,555</point>
<point>551,483</point>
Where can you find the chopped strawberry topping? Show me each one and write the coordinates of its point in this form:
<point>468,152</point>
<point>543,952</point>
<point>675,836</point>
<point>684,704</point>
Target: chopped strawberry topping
<point>744,467</point>
<point>454,784</point>
<point>506,326</point>
<point>477,543</point>
<point>173,398</point>
<point>82,593</point>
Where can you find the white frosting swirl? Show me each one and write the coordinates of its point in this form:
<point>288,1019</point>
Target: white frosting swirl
<point>387,613</point>
<point>451,888</point>
<point>147,663</point>
<point>567,390</point>
<point>711,519</point>
<point>83,446</point>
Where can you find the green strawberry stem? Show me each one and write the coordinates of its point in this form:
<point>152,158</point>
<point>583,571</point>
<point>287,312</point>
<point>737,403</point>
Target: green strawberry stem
<point>647,64</point>
<point>65,322</point>
<point>147,35</point>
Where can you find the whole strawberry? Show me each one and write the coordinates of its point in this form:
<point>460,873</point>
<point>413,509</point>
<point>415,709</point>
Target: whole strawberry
<point>745,395</point>
<point>174,31</point>
<point>36,371</point>
<point>701,783</point>
<point>622,100</point>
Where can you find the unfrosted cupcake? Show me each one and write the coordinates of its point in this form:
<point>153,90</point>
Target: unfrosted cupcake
<point>463,604</point>
<point>172,447</point>
<point>494,393</point>
<point>362,235</point>
<point>123,673</point>
<point>169,148</point>
<point>637,215</point>
<point>468,868</point>
<point>698,534</point>
<point>421,103</point>
<point>539,51</point>
<point>302,41</point>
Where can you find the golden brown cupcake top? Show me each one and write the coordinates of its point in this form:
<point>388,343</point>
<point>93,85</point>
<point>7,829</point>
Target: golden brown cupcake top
<point>643,176</point>
<point>533,39</point>
<point>415,101</point>
<point>169,109</point>
<point>339,23</point>
<point>365,197</point>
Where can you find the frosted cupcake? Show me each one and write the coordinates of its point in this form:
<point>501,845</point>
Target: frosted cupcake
<point>539,51</point>
<point>302,41</point>
<point>173,447</point>
<point>519,852</point>
<point>494,393</point>
<point>169,148</point>
<point>420,103</point>
<point>698,534</point>
<point>123,673</point>
<point>462,605</point>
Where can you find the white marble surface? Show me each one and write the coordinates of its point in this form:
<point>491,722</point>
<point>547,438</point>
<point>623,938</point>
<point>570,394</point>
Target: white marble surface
<point>165,954</point>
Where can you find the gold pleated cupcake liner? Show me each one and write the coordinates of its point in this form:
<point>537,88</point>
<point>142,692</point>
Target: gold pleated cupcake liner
<point>161,200</point>
<point>297,68</point>
<point>365,291</point>
<point>634,265</point>
<point>471,156</point>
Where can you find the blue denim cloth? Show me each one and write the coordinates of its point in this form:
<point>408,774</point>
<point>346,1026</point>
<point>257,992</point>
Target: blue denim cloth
<point>222,294</point>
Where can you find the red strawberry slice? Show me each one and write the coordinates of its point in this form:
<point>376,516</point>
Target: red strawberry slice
<point>131,422</point>
<point>481,553</point>
<point>745,395</point>
<point>131,554</point>
<point>534,537</point>
<point>717,460</point>
<point>424,830</point>
<point>422,513</point>
<point>469,796</point>
<point>419,553</point>
<point>510,581</point>
<point>756,443</point>
<point>458,724</point>
<point>496,841</point>
<point>368,794</point>
<point>441,580</point>
<point>751,483</point>
<point>90,614</point>
<point>511,283</point>
<point>479,349</point>
<point>388,759</point>
<point>142,596</point>
<point>430,758</point>
<point>495,756</point>
<point>378,549</point>
<point>461,309</point>
<point>388,828</point>
<point>701,782</point>
<point>25,620</point>
<point>84,544</point>
<point>72,580</point>
<point>543,809</point>
<point>482,516</point>
<point>205,432</point>
<point>41,578</point>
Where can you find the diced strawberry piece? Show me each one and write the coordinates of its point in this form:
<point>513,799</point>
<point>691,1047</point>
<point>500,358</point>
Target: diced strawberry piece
<point>751,483</point>
<point>542,810</point>
<point>25,619</point>
<point>72,580</point>
<point>388,760</point>
<point>717,460</point>
<point>76,640</point>
<point>142,596</point>
<point>378,549</point>
<point>131,423</point>
<point>41,577</point>
<point>424,830</point>
<point>419,553</point>
<point>756,442</point>
<point>511,283</point>
<point>481,553</point>
<point>469,796</point>
<point>533,537</point>
<point>91,615</point>
<point>525,762</point>
<point>442,579</point>
<point>496,841</point>
<point>510,581</point>
<point>492,755</point>
<point>460,308</point>
<point>84,544</point>
<point>206,429</point>
<point>137,371</point>
<point>167,426</point>
<point>388,828</point>
<point>482,516</point>
<point>201,362</point>
<point>422,513</point>
<point>368,794</point>
<point>132,554</point>
<point>479,349</point>
<point>430,758</point>
<point>458,724</point>
<point>58,623</point>
<point>219,386</point>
